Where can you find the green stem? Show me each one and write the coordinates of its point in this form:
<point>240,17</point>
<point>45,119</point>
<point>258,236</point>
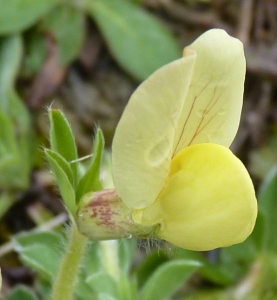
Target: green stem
<point>65,282</point>
<point>109,251</point>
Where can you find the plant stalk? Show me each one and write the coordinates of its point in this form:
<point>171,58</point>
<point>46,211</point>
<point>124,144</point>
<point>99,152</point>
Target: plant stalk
<point>65,282</point>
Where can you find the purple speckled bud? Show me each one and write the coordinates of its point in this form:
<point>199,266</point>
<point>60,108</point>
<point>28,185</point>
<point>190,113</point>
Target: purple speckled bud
<point>103,216</point>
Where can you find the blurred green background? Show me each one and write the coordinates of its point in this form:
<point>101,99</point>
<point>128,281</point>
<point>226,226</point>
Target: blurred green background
<point>86,57</point>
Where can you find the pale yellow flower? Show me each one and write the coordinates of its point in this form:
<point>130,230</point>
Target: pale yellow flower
<point>171,163</point>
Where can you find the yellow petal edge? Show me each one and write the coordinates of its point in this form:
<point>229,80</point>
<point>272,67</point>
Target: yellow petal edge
<point>208,202</point>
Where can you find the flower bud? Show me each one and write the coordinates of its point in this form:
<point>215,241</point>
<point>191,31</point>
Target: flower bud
<point>102,216</point>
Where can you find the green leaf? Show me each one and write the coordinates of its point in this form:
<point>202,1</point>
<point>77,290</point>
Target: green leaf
<point>213,272</point>
<point>17,15</point>
<point>92,259</point>
<point>167,279</point>
<point>62,140</point>
<point>19,114</point>
<point>51,239</point>
<point>104,296</point>
<point>83,290</point>
<point>21,292</point>
<point>43,260</point>
<point>16,144</point>
<point>65,186</point>
<point>15,134</point>
<point>258,236</point>
<point>11,175</point>
<point>67,25</point>
<point>25,137</point>
<point>149,265</point>
<point>10,56</point>
<point>91,181</point>
<point>26,156</point>
<point>237,259</point>
<point>126,253</point>
<point>7,199</point>
<point>103,283</point>
<point>128,288</point>
<point>62,163</point>
<point>11,49</point>
<point>267,199</point>
<point>139,42</point>
<point>43,288</point>
<point>35,54</point>
<point>40,251</point>
<point>7,140</point>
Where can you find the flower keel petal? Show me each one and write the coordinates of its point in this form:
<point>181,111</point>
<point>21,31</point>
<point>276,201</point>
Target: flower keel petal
<point>208,202</point>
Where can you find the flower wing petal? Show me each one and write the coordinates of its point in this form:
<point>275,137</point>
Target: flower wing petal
<point>142,145</point>
<point>209,200</point>
<point>212,109</point>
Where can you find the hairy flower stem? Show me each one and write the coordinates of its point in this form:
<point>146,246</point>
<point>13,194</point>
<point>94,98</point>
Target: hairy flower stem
<point>65,282</point>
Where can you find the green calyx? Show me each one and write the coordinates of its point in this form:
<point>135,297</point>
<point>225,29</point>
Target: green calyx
<point>103,216</point>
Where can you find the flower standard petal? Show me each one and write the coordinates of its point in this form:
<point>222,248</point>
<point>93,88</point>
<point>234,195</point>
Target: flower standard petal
<point>212,108</point>
<point>142,145</point>
<point>208,202</point>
